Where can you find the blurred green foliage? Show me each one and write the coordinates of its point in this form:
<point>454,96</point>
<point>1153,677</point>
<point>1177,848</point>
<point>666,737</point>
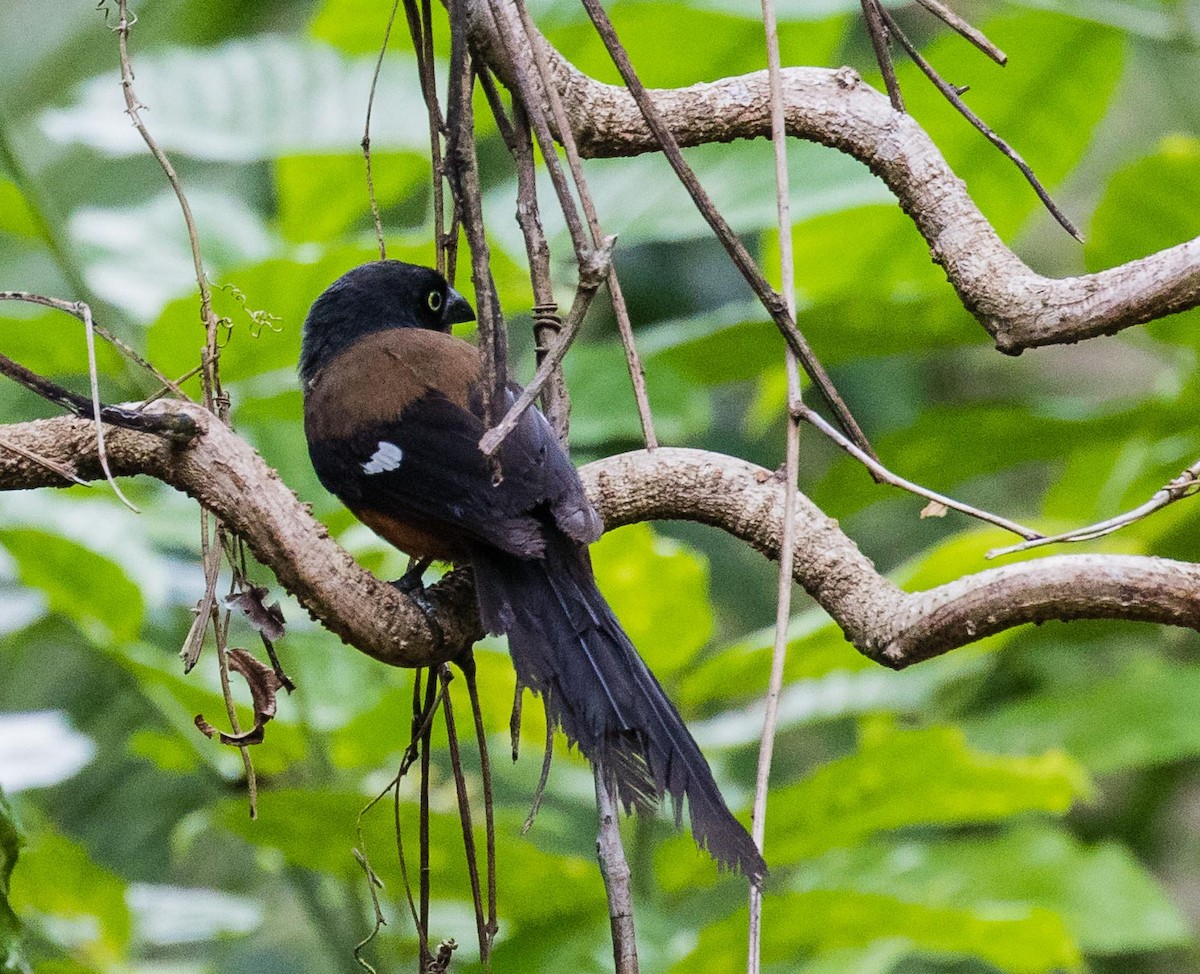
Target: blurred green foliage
<point>1025,806</point>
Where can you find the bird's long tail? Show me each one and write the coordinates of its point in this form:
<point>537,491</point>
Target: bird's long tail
<point>567,645</point>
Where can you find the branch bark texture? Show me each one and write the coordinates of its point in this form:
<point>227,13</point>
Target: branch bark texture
<point>891,626</point>
<point>1019,308</point>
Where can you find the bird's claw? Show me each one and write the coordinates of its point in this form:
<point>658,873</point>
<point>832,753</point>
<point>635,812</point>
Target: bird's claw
<point>412,584</point>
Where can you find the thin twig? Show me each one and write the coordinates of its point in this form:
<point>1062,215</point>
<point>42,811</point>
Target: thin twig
<point>462,168</point>
<point>52,465</point>
<point>82,311</point>
<point>177,427</point>
<point>637,373</point>
<point>547,324</point>
<point>530,98</point>
<point>464,817</point>
<point>878,32</point>
<point>881,474</point>
<point>221,632</point>
<point>170,385</point>
<point>373,883</point>
<point>467,665</point>
<point>615,870</point>
<point>398,833</point>
<point>589,282</point>
<point>737,251</point>
<point>94,379</point>
<point>213,397</point>
<point>431,687</point>
<point>791,474</point>
<point>965,29</point>
<point>954,96</point>
<point>420,28</point>
<point>1187,484</point>
<point>547,758</point>
<point>422,721</point>
<point>194,642</point>
<point>366,139</point>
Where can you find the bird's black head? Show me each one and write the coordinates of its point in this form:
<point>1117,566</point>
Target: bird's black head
<point>375,297</point>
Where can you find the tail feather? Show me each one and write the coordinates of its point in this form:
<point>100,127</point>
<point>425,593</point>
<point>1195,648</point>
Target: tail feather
<point>567,645</point>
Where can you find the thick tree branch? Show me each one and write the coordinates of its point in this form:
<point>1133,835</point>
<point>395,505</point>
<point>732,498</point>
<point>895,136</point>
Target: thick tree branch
<point>228,477</point>
<point>895,628</point>
<point>1019,308</point>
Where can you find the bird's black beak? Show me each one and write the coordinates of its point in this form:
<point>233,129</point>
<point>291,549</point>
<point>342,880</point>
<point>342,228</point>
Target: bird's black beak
<point>458,309</point>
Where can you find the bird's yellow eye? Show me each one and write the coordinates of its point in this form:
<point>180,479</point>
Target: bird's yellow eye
<point>434,300</point>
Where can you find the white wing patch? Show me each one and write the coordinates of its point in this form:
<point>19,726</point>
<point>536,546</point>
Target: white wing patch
<point>386,458</point>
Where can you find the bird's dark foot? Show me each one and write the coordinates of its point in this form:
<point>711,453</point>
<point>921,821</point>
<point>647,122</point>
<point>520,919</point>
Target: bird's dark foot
<point>412,584</point>
<point>413,579</point>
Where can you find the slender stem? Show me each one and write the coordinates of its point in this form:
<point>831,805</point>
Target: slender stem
<point>615,870</point>
<point>588,285</point>
<point>737,251</point>
<point>431,687</point>
<point>633,360</point>
<point>783,598</point>
<point>463,170</point>
<point>214,399</point>
<point>954,96</point>
<point>485,772</point>
<point>547,758</point>
<point>1187,484</point>
<point>878,32</point>
<point>965,29</point>
<point>464,817</point>
<point>366,139</point>
<point>884,476</point>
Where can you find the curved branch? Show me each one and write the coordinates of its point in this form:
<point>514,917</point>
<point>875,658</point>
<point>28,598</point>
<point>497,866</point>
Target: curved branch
<point>891,626</point>
<point>224,473</point>
<point>1019,308</point>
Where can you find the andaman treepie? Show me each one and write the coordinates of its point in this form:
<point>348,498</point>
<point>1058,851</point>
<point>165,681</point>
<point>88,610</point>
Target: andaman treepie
<point>393,412</point>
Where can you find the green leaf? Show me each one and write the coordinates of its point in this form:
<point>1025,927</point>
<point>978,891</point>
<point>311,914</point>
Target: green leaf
<point>742,184</point>
<point>140,255</point>
<point>316,830</point>
<point>357,26</point>
<point>1157,19</point>
<point>1138,713</point>
<point>659,590</point>
<point>11,957</point>
<point>1140,211</point>
<point>251,99</point>
<point>1140,215</point>
<point>1108,901</point>
<point>285,288</point>
<point>1014,939</point>
<point>901,778</point>
<point>321,197</point>
<point>83,586</point>
<point>16,216</point>
<point>825,678</point>
<point>52,344</point>
<point>73,900</point>
<point>1070,72</point>
<point>720,43</point>
<point>603,410</point>
<point>866,286</point>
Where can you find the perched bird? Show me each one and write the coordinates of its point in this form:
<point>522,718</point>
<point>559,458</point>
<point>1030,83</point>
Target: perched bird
<point>393,407</point>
